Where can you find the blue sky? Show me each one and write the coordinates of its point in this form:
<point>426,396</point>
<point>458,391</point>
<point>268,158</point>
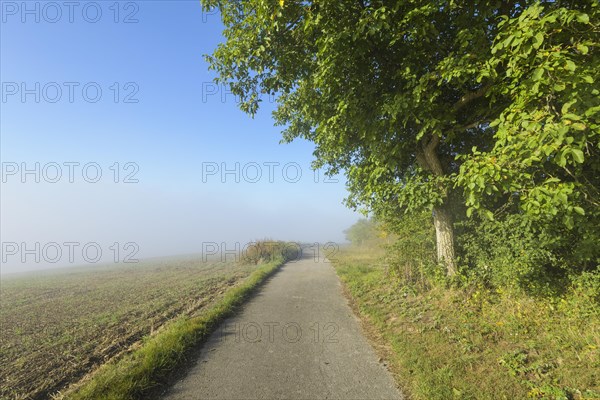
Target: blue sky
<point>180,122</point>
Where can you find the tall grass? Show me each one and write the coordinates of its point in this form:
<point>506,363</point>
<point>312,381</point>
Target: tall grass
<point>465,342</point>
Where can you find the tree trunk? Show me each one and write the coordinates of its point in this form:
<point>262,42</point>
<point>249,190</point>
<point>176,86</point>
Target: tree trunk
<point>428,158</point>
<point>444,235</point>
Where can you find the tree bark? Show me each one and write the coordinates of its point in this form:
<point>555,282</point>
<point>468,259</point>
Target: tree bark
<point>444,238</point>
<point>428,158</point>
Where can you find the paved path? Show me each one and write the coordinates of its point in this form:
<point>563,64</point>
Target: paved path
<point>296,339</point>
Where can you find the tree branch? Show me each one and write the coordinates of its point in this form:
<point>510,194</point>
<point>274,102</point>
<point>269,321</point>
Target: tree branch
<point>469,97</point>
<point>433,143</point>
<point>427,155</point>
<point>469,126</point>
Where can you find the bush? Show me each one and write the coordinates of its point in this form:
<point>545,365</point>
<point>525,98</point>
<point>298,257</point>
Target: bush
<point>501,253</point>
<point>363,232</point>
<point>412,255</point>
<point>586,289</point>
<point>515,252</point>
<point>266,251</point>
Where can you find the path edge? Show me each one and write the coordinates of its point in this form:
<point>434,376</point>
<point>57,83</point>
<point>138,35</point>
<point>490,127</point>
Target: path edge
<point>149,370</point>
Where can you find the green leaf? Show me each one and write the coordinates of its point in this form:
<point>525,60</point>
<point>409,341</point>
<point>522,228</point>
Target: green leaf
<point>583,49</point>
<point>570,66</point>
<point>488,214</point>
<point>577,155</point>
<point>571,116</point>
<point>537,74</point>
<point>579,210</point>
<point>538,39</point>
<point>583,18</point>
<point>566,106</point>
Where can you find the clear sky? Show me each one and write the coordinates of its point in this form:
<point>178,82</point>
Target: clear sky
<point>91,84</point>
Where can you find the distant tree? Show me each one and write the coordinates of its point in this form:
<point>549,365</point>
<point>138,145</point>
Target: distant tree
<point>363,231</point>
<point>486,102</point>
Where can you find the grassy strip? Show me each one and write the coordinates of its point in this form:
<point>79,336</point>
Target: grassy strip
<point>450,344</point>
<point>139,372</point>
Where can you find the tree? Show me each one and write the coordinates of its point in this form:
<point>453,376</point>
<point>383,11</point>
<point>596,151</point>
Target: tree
<point>363,231</point>
<point>415,101</point>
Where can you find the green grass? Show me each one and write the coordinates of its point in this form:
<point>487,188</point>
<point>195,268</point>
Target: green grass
<point>449,343</point>
<point>138,373</point>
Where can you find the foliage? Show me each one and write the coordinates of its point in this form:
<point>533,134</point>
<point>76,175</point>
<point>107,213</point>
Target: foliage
<point>362,232</point>
<point>489,105</point>
<point>516,252</point>
<point>546,146</point>
<point>411,257</point>
<point>475,343</point>
<point>266,251</point>
<point>507,254</point>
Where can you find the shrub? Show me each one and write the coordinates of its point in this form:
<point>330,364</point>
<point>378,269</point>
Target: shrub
<point>265,251</point>
<point>516,252</point>
<point>411,256</point>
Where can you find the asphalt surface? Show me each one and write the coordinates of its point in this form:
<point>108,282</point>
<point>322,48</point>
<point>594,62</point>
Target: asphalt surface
<point>296,339</point>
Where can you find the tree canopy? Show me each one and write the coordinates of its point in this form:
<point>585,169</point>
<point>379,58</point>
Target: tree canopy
<point>485,106</point>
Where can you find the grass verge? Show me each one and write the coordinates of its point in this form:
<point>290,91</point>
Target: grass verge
<point>140,372</point>
<point>448,343</point>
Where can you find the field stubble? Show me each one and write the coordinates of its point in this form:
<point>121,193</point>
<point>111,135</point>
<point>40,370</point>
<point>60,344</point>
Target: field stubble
<point>59,325</point>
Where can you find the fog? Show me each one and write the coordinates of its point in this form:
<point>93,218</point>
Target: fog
<point>49,225</point>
